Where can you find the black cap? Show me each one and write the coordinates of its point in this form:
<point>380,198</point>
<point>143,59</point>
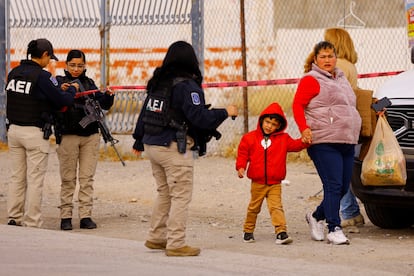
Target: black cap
<point>45,45</point>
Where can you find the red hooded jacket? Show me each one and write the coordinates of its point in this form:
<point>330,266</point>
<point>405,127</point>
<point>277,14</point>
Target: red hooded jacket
<point>267,165</point>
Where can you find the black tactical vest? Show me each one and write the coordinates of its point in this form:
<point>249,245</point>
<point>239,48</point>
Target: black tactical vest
<point>69,120</point>
<point>23,107</point>
<point>158,109</point>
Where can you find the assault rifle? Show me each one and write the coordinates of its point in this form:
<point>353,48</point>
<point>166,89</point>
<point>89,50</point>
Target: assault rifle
<point>94,113</point>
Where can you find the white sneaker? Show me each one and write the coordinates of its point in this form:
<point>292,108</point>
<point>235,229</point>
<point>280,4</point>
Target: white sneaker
<point>337,237</point>
<point>317,227</point>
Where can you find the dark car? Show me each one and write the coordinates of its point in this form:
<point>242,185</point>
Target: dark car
<point>393,206</point>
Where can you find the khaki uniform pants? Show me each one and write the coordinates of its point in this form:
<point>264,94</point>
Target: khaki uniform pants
<point>273,195</point>
<point>173,173</point>
<point>77,155</point>
<point>28,153</point>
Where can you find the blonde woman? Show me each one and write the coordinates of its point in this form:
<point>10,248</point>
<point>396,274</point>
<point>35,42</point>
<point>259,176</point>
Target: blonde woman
<point>347,57</point>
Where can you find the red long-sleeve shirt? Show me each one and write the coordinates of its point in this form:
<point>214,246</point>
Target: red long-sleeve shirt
<point>308,88</point>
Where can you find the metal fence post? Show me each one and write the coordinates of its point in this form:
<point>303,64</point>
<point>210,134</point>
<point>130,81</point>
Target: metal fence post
<point>197,33</point>
<point>3,37</point>
<point>244,67</point>
<point>104,31</point>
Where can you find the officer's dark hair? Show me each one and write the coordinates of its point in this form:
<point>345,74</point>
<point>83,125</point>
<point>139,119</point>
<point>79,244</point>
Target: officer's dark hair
<point>75,54</point>
<point>180,61</point>
<point>33,50</point>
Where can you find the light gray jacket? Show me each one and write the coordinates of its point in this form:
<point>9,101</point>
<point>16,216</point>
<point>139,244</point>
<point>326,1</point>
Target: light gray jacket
<point>332,115</point>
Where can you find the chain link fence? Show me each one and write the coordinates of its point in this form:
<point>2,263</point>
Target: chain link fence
<point>236,41</point>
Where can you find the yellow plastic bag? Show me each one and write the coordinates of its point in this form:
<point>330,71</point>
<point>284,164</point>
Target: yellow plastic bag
<point>384,164</point>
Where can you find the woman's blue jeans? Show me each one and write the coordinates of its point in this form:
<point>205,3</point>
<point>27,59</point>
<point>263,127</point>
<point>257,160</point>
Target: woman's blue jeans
<point>334,164</point>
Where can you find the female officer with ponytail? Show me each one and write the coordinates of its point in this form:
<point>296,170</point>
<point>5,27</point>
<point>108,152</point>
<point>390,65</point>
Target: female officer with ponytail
<point>33,95</point>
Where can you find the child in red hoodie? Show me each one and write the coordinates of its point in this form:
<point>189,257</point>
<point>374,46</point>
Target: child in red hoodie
<point>265,150</point>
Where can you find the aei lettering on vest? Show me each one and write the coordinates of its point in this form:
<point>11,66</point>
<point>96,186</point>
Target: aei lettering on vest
<point>155,105</point>
<point>19,86</point>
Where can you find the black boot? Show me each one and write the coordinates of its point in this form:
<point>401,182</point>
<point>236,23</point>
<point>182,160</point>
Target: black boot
<point>66,224</point>
<point>12,222</point>
<point>87,223</point>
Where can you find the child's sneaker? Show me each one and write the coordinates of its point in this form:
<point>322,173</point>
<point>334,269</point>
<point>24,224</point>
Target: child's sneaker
<point>283,238</point>
<point>248,237</point>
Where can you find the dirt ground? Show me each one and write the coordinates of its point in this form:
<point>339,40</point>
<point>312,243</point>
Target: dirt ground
<point>124,196</point>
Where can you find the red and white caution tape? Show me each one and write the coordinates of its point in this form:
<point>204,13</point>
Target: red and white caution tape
<point>236,83</point>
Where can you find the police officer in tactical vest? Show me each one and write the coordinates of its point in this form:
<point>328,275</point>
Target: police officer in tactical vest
<point>173,119</point>
<point>32,96</point>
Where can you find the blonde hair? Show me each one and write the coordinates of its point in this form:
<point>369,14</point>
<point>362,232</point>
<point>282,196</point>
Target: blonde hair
<point>343,43</point>
<point>308,62</point>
